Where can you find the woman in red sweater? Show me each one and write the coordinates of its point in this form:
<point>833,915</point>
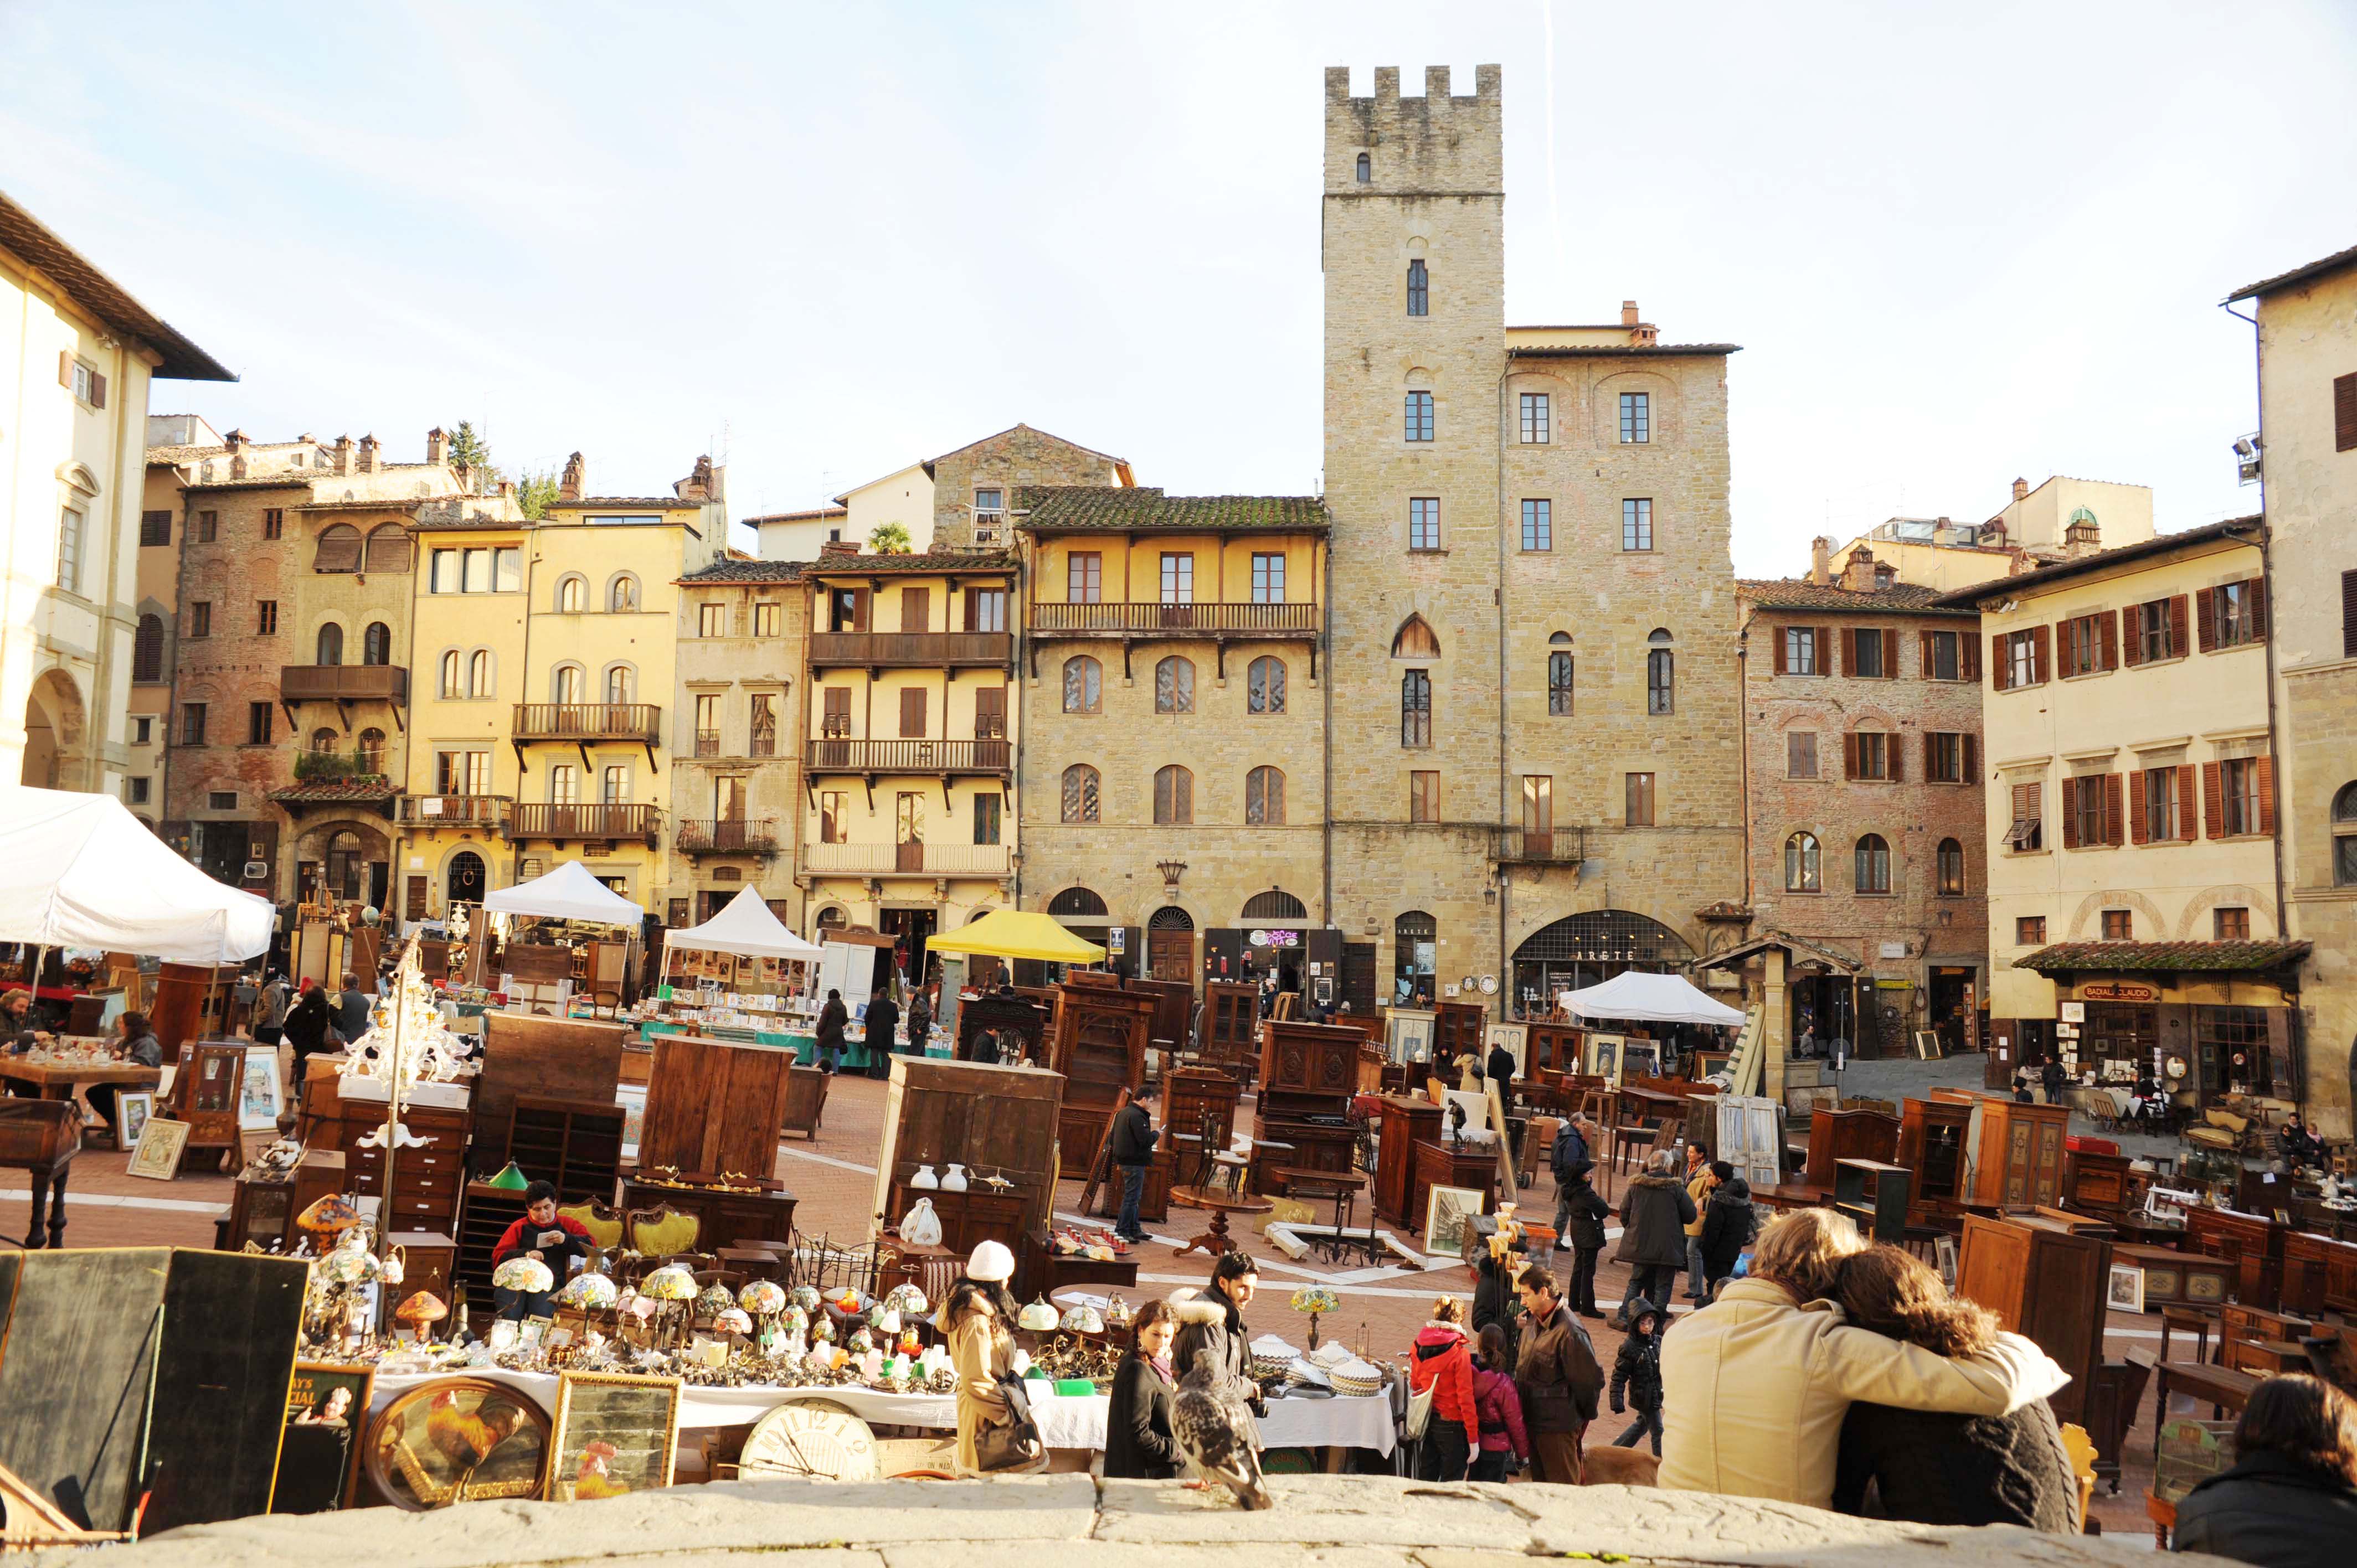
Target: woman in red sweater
<point>1443,1361</point>
<point>554,1239</point>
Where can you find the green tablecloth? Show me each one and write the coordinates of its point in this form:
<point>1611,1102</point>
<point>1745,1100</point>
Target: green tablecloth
<point>855,1052</point>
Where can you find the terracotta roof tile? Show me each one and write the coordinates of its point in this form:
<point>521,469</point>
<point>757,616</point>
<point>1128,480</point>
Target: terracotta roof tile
<point>2159,544</point>
<point>2163,957</point>
<point>847,563</point>
<point>28,237</point>
<point>739,571</point>
<point>1098,509</point>
<point>1799,594</point>
<point>2297,275</point>
<point>325,790</point>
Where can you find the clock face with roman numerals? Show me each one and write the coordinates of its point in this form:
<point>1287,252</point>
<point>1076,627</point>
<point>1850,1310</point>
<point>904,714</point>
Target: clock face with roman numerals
<point>815,1439</point>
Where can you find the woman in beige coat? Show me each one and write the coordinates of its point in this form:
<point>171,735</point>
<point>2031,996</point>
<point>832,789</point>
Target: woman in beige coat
<point>982,1351</point>
<point>1754,1385</point>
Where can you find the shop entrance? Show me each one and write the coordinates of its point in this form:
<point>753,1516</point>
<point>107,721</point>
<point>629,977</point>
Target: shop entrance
<point>910,930</point>
<point>1951,992</point>
<point>1823,1011</point>
<point>466,879</point>
<point>1170,944</point>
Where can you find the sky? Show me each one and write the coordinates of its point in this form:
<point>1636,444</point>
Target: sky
<point>1958,244</point>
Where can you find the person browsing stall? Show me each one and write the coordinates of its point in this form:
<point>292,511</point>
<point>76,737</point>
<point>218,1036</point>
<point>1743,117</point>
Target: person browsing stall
<point>136,1045</point>
<point>1133,1138</point>
<point>1139,1444</point>
<point>554,1239</point>
<point>832,1020</point>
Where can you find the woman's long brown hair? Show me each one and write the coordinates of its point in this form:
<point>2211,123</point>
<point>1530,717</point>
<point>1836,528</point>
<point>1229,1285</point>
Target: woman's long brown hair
<point>1894,1293</point>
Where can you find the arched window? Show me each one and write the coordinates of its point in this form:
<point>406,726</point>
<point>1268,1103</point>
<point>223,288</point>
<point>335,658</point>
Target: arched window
<point>1420,289</point>
<point>1802,873</point>
<point>1082,902</point>
<point>1274,905</point>
<point>1171,917</point>
<point>1174,796</point>
<point>1265,685</point>
<point>1873,864</point>
<point>1559,685</point>
<point>1416,709</point>
<point>1366,170</point>
<point>623,594</point>
<point>147,649</point>
<point>372,750</point>
<point>618,684</point>
<point>1174,685</point>
<point>2344,837</point>
<point>1951,865</point>
<point>568,683</point>
<point>451,684</point>
<point>376,644</point>
<point>1661,674</point>
<point>389,549</point>
<point>323,742</point>
<point>1416,945</point>
<point>1415,640</point>
<point>573,597</point>
<point>832,918</point>
<point>479,680</point>
<point>330,644</point>
<point>1080,803</point>
<point>338,549</point>
<point>1083,685</point>
<point>1263,798</point>
<point>345,866</point>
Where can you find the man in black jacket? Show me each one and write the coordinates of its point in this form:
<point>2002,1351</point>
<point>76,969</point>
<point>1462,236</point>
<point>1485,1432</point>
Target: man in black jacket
<point>1728,1224</point>
<point>1133,1155</point>
<point>831,1020</point>
<point>883,1023</point>
<point>1500,1070</point>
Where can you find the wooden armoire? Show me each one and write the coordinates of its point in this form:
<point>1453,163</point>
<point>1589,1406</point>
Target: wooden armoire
<point>2046,1282</point>
<point>1308,1074</point>
<point>1100,1047</point>
<point>1231,1017</point>
<point>2014,1151</point>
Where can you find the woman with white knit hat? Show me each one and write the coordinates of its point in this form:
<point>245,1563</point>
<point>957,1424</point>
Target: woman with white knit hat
<point>978,1321</point>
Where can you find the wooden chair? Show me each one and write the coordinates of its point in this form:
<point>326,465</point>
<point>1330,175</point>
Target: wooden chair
<point>2082,1450</point>
<point>605,1224</point>
<point>664,1231</point>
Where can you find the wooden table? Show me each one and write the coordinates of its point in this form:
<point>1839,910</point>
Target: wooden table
<point>2224,1388</point>
<point>57,1080</point>
<point>1214,1243</point>
<point>1043,1271</point>
<point>41,1137</point>
<point>1788,1195</point>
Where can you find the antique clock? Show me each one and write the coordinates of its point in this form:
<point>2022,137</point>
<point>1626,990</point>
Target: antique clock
<point>816,1438</point>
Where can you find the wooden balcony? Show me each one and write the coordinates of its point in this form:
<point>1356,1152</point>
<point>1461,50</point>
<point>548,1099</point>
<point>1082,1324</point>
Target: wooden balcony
<point>540,820</point>
<point>727,836</point>
<point>456,810</point>
<point>1197,620</point>
<point>904,650</point>
<point>1526,846</point>
<point>905,859</point>
<point>830,753</point>
<point>343,684</point>
<point>640,723</point>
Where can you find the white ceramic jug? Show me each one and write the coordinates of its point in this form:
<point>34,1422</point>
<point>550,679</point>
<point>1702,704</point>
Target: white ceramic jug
<point>955,1180</point>
<point>925,1178</point>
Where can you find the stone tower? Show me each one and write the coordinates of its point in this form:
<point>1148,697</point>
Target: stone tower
<point>1472,808</point>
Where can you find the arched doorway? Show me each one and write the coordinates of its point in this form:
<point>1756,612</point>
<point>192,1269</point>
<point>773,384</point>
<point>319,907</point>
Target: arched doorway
<point>465,880</point>
<point>1083,912</point>
<point>53,729</point>
<point>1587,949</point>
<point>1416,946</point>
<point>1170,944</point>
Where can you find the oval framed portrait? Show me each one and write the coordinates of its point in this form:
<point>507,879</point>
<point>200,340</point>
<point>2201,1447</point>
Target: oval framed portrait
<point>458,1440</point>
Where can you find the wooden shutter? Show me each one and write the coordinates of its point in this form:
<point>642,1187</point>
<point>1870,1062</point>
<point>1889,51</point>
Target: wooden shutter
<point>2265,768</point>
<point>1824,651</point>
<point>2070,813</point>
<point>859,609</point>
<point>2188,785</point>
<point>1849,754</point>
<point>1930,760</point>
<point>912,713</point>
<point>1924,653</point>
<point>2041,645</point>
<point>2139,829</point>
<point>2344,413</point>
<point>1894,747</point>
<point>916,610</point>
<point>2132,633</point>
<point>2177,613</point>
<point>2066,643</point>
<point>1999,667</point>
<point>97,390</point>
<point>1780,634</point>
<point>1971,746</point>
<point>2112,823</point>
<point>65,368</point>
<point>2209,624</point>
<point>2108,628</point>
<point>1968,656</point>
<point>2214,799</point>
<point>990,713</point>
<point>838,710</point>
<point>2257,588</point>
<point>1890,655</point>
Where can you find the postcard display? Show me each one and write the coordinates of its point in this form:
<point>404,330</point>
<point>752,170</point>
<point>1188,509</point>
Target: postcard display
<point>147,1369</point>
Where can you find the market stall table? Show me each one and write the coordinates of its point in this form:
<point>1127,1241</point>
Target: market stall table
<point>57,1080</point>
<point>1214,1243</point>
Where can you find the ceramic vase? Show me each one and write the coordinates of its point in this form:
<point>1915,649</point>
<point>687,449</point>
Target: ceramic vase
<point>926,1178</point>
<point>955,1180</point>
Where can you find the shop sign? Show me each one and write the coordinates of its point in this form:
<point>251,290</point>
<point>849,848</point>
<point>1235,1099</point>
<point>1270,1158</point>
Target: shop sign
<point>1881,985</point>
<point>1117,939</point>
<point>1274,939</point>
<point>2117,991</point>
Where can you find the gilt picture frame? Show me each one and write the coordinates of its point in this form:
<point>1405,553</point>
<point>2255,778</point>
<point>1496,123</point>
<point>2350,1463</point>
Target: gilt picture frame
<point>614,1433</point>
<point>157,1156</point>
<point>1446,1212</point>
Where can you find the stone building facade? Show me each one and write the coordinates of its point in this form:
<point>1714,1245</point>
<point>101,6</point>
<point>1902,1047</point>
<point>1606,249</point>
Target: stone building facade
<point>1866,848</point>
<point>736,790</point>
<point>2307,419</point>
<point>1536,772</point>
<point>974,486</point>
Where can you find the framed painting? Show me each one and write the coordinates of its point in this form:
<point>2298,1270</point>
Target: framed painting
<point>1604,1057</point>
<point>457,1440</point>
<point>1516,1039</point>
<point>1408,1036</point>
<point>1446,1212</point>
<point>1640,1058</point>
<point>132,1107</point>
<point>157,1153</point>
<point>259,1098</point>
<point>614,1433</point>
<point>319,1452</point>
<point>2125,1289</point>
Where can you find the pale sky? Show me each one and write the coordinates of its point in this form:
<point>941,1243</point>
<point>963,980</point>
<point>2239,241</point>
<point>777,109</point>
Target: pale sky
<point>1958,244</point>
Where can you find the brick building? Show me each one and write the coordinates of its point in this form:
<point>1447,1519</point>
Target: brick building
<point>1866,853</point>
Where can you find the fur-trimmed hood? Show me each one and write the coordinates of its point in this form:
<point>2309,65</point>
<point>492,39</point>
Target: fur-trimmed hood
<point>1199,1308</point>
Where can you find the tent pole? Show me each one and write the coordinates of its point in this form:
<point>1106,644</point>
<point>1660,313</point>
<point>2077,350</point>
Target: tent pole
<point>33,975</point>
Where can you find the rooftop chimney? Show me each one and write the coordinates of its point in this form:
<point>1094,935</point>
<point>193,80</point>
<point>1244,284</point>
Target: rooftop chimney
<point>368,454</point>
<point>343,454</point>
<point>2021,489</point>
<point>1820,561</point>
<point>575,474</point>
<point>1942,531</point>
<point>437,445</point>
<point>1859,576</point>
<point>1627,313</point>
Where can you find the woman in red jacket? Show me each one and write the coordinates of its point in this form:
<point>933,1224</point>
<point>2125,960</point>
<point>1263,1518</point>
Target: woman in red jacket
<point>1504,1444</point>
<point>1443,1361</point>
<point>554,1239</point>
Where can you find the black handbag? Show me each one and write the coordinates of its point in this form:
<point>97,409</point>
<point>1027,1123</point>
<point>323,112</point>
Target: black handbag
<point>1011,1440</point>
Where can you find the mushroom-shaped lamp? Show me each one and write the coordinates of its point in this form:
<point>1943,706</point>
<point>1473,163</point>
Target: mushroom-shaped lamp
<point>421,1312</point>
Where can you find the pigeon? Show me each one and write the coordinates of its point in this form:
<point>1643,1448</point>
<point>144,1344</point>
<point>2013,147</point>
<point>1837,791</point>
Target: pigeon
<point>1214,1432</point>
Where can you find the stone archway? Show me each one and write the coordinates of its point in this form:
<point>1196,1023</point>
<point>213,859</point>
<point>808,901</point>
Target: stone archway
<point>55,720</point>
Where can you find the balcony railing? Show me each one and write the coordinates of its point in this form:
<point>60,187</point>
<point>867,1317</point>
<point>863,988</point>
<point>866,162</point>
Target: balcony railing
<point>727,836</point>
<point>906,859</point>
<point>830,755</point>
<point>343,682</point>
<point>1527,846</point>
<point>1177,620</point>
<point>835,650</point>
<point>540,820</point>
<point>456,810</point>
<point>764,743</point>
<point>640,722</point>
<point>707,742</point>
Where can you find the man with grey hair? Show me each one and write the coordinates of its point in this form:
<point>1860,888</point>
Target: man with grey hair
<point>1654,1214</point>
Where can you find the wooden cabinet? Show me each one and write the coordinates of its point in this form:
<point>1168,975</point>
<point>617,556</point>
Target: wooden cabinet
<point>1100,1047</point>
<point>429,1263</point>
<point>574,1147</point>
<point>985,1118</point>
<point>428,1180</point>
<point>1231,1020</point>
<point>1456,1031</point>
<point>1308,1073</point>
<point>1453,1165</point>
<point>2015,1151</point>
<point>2172,1278</point>
<point>264,1212</point>
<point>714,1110</point>
<point>2096,1181</point>
<point>1932,1144</point>
<point>2320,1275</point>
<point>2252,1247</point>
<point>1873,1195</point>
<point>726,1218</point>
<point>488,1211</point>
<point>1407,1120</point>
<point>1835,1134</point>
<point>968,1218</point>
<point>2044,1282</point>
<point>1555,1048</point>
<point>549,1059</point>
<point>986,1022</point>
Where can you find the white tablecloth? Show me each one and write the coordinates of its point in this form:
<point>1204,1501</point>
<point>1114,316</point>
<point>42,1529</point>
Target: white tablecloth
<point>1065,1422</point>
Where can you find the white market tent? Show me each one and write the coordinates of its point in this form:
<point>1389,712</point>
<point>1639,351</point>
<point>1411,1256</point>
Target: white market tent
<point>568,893</point>
<point>81,871</point>
<point>743,925</point>
<point>1648,999</point>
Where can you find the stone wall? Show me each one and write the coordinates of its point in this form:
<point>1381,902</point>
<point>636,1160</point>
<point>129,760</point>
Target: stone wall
<point>731,668</point>
<point>1020,455</point>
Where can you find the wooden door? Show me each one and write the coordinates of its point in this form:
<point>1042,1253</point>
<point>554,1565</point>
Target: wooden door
<point>1359,978</point>
<point>909,831</point>
<point>1170,955</point>
<point>916,610</point>
<point>912,713</point>
<point>414,901</point>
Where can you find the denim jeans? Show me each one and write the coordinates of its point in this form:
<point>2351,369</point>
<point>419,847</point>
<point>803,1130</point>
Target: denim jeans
<point>521,1304</point>
<point>1133,1192</point>
<point>1655,1282</point>
<point>1648,1420</point>
<point>1695,1281</point>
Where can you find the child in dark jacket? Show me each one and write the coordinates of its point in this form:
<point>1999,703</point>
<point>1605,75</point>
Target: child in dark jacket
<point>1505,1446</point>
<point>1637,1371</point>
<point>1584,1213</point>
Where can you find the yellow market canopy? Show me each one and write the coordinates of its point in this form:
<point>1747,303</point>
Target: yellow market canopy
<point>1012,933</point>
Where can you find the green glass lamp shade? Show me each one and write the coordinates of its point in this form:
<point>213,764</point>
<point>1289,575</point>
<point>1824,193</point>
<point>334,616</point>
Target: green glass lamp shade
<point>511,1179</point>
